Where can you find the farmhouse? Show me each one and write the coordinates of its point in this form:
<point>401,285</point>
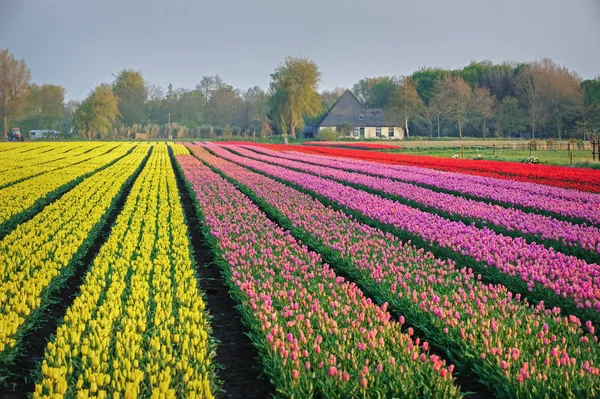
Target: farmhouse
<point>352,119</point>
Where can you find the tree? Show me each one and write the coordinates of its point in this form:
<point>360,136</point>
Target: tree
<point>294,94</point>
<point>530,88</point>
<point>563,94</point>
<point>14,87</point>
<point>498,78</point>
<point>405,102</point>
<point>130,89</point>
<point>510,116</point>
<point>156,107</point>
<point>266,130</point>
<point>375,92</point>
<point>346,129</point>
<point>589,105</point>
<point>98,112</point>
<point>550,93</point>
<point>331,96</point>
<point>453,99</point>
<point>44,107</point>
<point>482,106</point>
<point>255,106</point>
<point>207,86</point>
<point>591,90</point>
<point>427,80</point>
<point>225,104</point>
<point>187,107</point>
<point>69,109</point>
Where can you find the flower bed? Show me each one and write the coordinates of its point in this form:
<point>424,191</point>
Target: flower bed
<point>38,255</point>
<point>138,327</point>
<point>467,210</point>
<point>484,327</point>
<point>558,176</point>
<point>567,276</point>
<point>316,333</point>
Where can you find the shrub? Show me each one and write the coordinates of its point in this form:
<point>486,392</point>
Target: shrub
<point>346,129</point>
<point>327,134</point>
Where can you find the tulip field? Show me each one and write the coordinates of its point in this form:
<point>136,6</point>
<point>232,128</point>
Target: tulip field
<point>126,269</point>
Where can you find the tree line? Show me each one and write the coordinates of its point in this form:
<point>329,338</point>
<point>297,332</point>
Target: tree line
<point>486,99</point>
<point>481,100</point>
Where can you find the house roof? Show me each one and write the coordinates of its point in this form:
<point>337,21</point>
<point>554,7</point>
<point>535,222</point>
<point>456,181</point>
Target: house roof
<point>347,109</point>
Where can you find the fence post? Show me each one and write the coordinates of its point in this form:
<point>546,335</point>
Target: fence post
<point>530,148</point>
<point>462,151</point>
<point>494,147</point>
<point>571,156</point>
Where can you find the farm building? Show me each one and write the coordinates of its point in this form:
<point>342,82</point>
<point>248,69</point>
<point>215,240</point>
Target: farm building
<point>360,122</point>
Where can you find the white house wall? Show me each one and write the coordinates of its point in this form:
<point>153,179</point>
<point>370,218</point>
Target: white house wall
<point>371,133</point>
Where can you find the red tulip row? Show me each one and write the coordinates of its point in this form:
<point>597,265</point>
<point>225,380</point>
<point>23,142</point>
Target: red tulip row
<point>558,176</point>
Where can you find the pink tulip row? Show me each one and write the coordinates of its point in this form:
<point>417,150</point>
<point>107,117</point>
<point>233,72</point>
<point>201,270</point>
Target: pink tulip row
<point>515,348</point>
<point>317,333</point>
<point>545,227</point>
<point>567,276</point>
<point>560,201</point>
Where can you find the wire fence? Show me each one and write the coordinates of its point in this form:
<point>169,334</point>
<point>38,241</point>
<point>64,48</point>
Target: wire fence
<point>560,153</point>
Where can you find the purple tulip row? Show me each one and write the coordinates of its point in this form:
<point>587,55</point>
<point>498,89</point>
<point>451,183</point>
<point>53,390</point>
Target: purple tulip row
<point>567,276</point>
<point>515,347</point>
<point>545,227</point>
<point>317,334</point>
<point>560,201</point>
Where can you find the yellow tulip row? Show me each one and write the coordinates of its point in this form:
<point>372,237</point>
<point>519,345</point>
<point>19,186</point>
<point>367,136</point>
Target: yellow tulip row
<point>27,149</point>
<point>23,157</point>
<point>179,149</point>
<point>39,250</point>
<point>138,327</point>
<point>20,196</point>
<point>53,161</point>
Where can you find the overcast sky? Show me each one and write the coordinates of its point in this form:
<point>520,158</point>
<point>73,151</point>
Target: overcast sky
<point>80,43</point>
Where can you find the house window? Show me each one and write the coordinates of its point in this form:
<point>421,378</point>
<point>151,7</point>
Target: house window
<point>378,131</point>
<point>391,131</point>
<point>356,132</point>
<point>361,117</point>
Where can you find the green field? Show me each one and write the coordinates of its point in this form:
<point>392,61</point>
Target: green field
<point>555,153</point>
<point>555,157</point>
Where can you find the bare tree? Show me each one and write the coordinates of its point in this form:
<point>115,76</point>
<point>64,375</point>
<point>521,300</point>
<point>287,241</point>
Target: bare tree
<point>14,86</point>
<point>562,93</point>
<point>405,102</point>
<point>266,130</point>
<point>453,99</point>
<point>530,86</point>
<point>550,93</point>
<point>155,103</point>
<point>207,86</point>
<point>482,106</point>
<point>331,96</point>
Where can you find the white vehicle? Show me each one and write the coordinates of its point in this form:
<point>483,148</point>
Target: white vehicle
<point>43,134</point>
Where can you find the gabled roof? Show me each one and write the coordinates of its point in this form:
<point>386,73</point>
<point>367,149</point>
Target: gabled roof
<point>347,109</point>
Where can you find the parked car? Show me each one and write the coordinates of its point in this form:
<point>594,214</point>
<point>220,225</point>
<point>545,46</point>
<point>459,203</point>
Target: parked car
<point>43,134</point>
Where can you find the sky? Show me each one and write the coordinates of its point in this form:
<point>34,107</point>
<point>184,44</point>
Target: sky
<point>82,43</point>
